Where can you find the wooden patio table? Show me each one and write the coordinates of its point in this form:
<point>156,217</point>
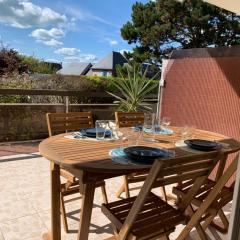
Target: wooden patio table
<point>89,161</point>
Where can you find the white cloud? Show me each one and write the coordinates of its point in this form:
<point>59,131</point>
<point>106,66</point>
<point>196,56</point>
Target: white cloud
<point>43,34</point>
<point>68,52</point>
<point>24,14</point>
<point>48,37</point>
<point>82,58</point>
<point>83,15</point>
<point>113,42</point>
<point>52,43</point>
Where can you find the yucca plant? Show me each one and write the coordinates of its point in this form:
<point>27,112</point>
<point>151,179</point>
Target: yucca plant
<point>133,89</point>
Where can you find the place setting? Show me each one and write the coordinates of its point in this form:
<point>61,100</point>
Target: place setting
<point>142,155</point>
<point>135,153</point>
<point>192,143</point>
<point>104,130</point>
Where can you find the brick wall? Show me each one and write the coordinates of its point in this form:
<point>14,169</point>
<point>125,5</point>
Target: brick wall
<point>204,92</point>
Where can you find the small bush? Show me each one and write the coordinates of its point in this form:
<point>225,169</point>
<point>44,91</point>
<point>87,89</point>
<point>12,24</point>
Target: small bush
<point>35,65</point>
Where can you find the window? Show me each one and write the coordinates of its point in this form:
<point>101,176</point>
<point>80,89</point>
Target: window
<point>104,73</point>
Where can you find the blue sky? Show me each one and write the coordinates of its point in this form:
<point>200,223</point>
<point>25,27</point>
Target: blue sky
<point>65,30</point>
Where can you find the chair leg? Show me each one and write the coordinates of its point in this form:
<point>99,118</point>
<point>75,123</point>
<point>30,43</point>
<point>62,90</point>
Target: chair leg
<point>120,191</point>
<point>111,238</point>
<point>63,214</point>
<point>126,187</point>
<point>223,218</point>
<point>163,192</point>
<point>198,226</point>
<point>207,222</point>
<point>186,231</point>
<point>115,230</point>
<point>104,194</point>
<point>166,237</point>
<point>201,232</point>
<point>225,223</point>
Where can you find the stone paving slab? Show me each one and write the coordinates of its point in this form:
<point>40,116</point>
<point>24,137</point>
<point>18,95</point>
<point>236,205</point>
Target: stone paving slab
<point>25,202</point>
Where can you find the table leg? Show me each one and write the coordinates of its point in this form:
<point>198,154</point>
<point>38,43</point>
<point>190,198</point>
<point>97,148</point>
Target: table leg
<point>55,201</point>
<point>86,210</point>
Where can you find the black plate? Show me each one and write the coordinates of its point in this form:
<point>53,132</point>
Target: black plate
<point>91,132</point>
<point>202,145</point>
<point>138,127</point>
<point>145,154</point>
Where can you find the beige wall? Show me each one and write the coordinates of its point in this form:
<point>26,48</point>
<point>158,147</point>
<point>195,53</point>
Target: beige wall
<point>28,122</point>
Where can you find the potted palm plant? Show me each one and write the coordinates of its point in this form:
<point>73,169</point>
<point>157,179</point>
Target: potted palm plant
<point>133,87</point>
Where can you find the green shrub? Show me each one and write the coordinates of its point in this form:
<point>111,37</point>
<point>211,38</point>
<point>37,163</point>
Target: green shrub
<point>35,65</point>
<point>60,82</point>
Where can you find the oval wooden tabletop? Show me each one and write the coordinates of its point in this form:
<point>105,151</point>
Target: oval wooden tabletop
<point>94,156</point>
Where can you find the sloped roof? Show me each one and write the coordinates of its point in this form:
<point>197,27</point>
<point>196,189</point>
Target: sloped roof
<point>89,73</point>
<point>110,61</point>
<point>75,68</point>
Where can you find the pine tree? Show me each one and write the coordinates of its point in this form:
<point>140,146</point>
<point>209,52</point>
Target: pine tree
<point>160,26</point>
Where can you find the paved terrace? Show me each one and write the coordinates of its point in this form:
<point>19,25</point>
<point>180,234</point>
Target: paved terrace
<point>25,199</point>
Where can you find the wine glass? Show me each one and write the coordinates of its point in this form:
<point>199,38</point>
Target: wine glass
<point>113,128</point>
<point>187,132</point>
<point>135,137</point>
<point>121,137</point>
<point>166,121</point>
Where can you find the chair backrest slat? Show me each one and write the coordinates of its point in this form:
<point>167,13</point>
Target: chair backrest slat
<point>64,122</point>
<point>129,119</point>
<point>180,177</point>
<point>185,168</point>
<point>191,158</point>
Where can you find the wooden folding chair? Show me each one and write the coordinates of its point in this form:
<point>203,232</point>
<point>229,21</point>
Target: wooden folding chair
<point>67,122</point>
<point>209,201</point>
<point>131,119</point>
<point>223,198</point>
<point>149,217</point>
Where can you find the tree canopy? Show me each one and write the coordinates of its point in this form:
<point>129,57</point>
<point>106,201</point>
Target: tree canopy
<point>160,26</point>
<point>11,62</point>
